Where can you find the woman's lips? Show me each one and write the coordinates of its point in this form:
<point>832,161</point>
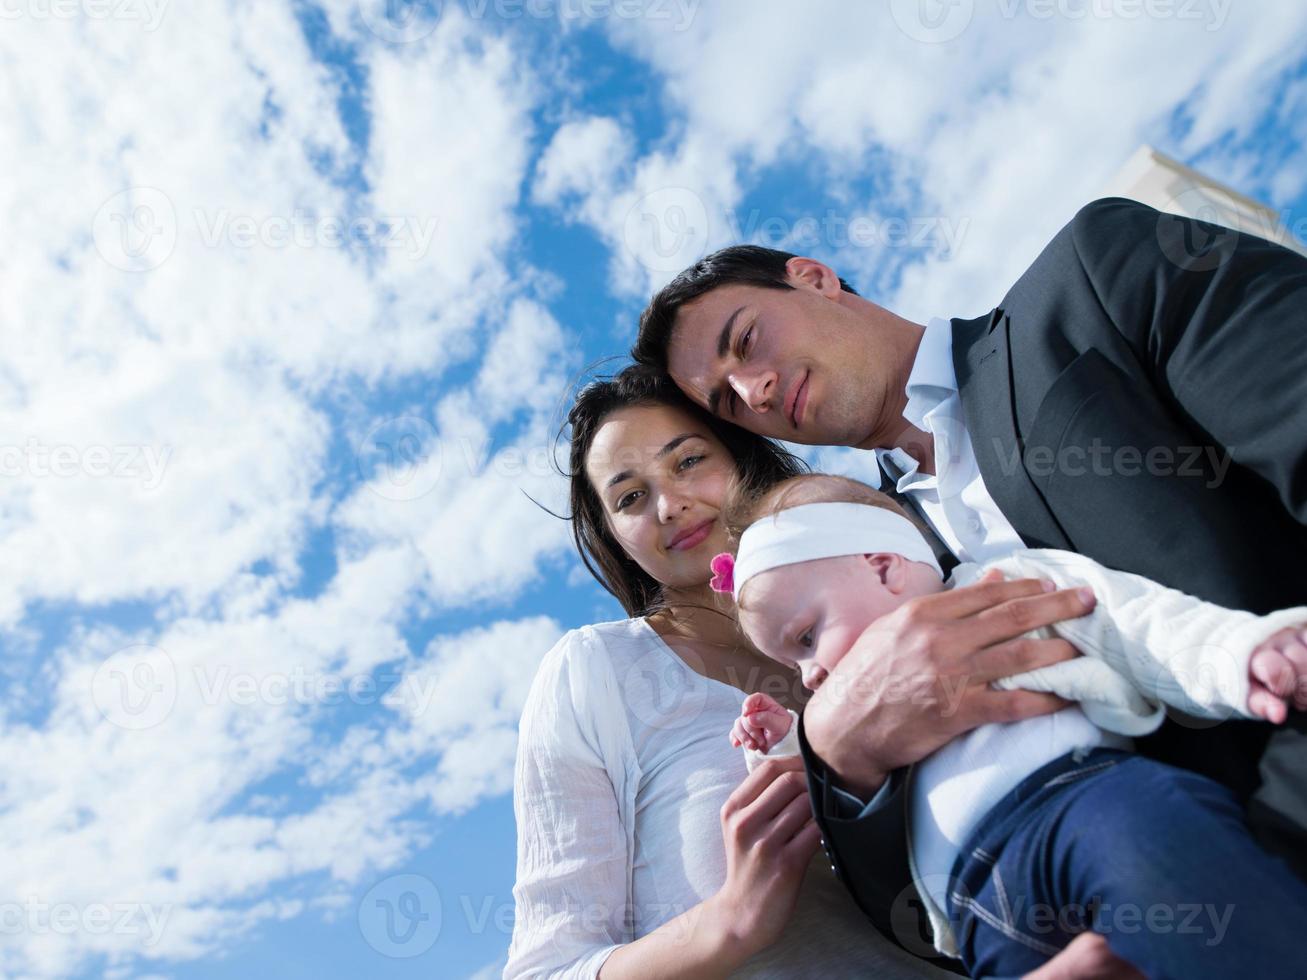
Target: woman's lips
<point>693,537</point>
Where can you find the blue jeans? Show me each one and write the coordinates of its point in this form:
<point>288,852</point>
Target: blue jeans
<point>1156,859</point>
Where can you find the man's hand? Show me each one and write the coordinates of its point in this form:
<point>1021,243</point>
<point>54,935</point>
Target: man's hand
<point>1087,957</point>
<point>919,677</point>
<point>1277,672</point>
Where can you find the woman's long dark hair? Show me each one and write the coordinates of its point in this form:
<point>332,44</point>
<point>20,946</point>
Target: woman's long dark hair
<point>759,463</point>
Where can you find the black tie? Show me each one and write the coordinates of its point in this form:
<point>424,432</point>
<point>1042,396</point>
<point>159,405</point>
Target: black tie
<point>890,476</point>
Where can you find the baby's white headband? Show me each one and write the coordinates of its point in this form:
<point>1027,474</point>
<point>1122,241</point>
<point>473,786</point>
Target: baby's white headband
<point>814,531</point>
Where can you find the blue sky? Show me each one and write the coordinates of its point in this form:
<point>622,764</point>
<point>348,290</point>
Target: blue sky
<point>294,297</point>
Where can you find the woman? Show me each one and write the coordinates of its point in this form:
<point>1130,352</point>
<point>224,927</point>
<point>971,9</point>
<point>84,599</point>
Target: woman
<point>644,845</point>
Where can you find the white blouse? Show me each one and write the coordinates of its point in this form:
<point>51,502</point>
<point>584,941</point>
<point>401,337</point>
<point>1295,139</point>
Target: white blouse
<point>623,766</point>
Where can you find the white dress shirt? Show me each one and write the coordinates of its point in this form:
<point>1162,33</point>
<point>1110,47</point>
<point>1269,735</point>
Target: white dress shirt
<point>954,500</point>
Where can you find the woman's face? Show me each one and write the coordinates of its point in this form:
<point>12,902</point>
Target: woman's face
<point>661,477</point>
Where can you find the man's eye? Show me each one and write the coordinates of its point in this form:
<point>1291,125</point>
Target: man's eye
<point>626,499</point>
<point>746,342</point>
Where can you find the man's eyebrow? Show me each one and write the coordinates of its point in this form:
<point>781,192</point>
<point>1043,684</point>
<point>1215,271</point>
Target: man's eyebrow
<point>724,338</point>
<point>723,345</point>
<point>661,454</point>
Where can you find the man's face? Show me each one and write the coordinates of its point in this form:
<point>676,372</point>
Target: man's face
<point>794,364</point>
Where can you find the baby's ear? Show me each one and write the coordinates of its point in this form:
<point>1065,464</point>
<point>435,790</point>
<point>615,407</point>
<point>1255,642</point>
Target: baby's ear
<point>888,568</point>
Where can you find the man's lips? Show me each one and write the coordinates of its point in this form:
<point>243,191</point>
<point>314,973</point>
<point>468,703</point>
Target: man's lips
<point>797,400</point>
<point>692,536</point>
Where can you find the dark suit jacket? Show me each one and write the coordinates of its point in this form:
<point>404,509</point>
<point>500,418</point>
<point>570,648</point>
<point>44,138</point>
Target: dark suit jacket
<point>1139,397</point>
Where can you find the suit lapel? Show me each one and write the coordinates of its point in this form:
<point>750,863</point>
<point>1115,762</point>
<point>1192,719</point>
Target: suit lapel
<point>982,358</point>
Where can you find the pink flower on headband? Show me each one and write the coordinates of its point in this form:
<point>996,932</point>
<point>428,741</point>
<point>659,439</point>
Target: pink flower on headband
<point>723,567</point>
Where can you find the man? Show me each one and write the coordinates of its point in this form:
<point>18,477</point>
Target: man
<point>1137,396</point>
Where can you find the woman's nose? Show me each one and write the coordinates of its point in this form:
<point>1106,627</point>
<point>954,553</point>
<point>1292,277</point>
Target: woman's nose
<point>671,505</point>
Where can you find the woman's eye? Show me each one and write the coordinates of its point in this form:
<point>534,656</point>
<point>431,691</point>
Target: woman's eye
<point>626,499</point>
<point>689,461</point>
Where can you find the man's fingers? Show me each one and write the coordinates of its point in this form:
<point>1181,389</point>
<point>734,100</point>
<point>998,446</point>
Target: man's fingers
<point>970,599</point>
<point>987,705</point>
<point>1018,656</point>
<point>1011,619</point>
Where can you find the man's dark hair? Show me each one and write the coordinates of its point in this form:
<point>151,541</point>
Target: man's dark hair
<point>752,265</point>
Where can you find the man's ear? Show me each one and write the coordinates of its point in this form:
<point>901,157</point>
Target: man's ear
<point>804,272</point>
<point>889,568</point>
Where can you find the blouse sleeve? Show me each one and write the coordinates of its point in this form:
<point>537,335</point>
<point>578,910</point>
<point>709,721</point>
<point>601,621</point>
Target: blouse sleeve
<point>572,860</point>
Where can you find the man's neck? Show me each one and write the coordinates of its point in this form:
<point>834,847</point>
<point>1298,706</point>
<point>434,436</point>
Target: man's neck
<point>897,432</point>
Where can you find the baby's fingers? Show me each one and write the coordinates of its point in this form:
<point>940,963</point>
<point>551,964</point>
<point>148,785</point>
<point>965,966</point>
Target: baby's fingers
<point>739,736</point>
<point>1264,704</point>
<point>757,701</point>
<point>1295,651</point>
<point>1273,669</point>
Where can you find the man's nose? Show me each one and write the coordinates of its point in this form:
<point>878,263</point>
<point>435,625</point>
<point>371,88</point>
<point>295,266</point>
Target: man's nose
<point>756,390</point>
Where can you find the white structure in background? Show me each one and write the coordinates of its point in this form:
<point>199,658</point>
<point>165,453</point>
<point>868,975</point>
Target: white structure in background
<point>1155,179</point>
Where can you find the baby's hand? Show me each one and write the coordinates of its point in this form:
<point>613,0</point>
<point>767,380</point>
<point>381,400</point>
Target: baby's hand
<point>1277,671</point>
<point>763,722</point>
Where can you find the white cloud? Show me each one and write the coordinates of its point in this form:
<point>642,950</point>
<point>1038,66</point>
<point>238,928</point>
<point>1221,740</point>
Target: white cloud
<point>201,288</point>
<point>583,156</point>
<point>1002,132</point>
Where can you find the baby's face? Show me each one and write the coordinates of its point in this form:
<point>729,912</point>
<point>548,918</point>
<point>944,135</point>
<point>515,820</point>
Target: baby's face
<point>809,615</point>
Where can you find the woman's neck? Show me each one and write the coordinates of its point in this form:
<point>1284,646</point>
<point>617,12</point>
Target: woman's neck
<point>700,616</point>
<point>704,634</point>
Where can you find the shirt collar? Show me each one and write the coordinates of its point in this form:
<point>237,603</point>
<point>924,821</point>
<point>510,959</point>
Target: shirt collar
<point>933,377</point>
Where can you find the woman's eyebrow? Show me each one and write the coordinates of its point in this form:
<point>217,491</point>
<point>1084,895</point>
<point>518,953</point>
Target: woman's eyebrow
<point>661,454</point>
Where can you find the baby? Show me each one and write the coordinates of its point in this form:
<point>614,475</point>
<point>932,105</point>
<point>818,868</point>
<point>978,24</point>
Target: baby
<point>1012,825</point>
